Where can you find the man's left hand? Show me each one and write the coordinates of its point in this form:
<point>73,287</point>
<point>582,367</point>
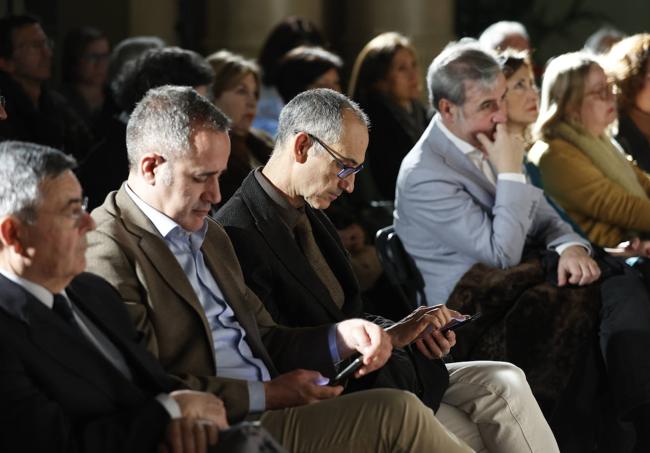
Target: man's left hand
<point>576,267</point>
<point>422,326</point>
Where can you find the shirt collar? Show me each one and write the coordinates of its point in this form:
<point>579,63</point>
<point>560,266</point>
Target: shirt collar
<point>168,228</point>
<point>462,145</point>
<point>288,213</point>
<point>36,290</point>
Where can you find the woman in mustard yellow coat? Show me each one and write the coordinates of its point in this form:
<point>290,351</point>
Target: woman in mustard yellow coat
<point>583,168</point>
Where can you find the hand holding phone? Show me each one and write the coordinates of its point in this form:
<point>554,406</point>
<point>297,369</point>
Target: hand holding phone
<point>459,321</point>
<point>348,371</point>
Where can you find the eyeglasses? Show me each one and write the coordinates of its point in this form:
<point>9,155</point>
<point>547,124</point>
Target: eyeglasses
<point>76,216</point>
<point>3,101</point>
<point>346,170</point>
<point>37,45</point>
<point>605,93</point>
<point>96,58</point>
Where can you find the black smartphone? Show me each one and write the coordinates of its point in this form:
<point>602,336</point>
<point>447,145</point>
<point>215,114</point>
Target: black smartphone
<point>455,323</point>
<point>348,371</point>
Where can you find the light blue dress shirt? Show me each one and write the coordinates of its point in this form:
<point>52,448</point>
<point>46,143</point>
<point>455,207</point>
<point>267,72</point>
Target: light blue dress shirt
<point>233,356</point>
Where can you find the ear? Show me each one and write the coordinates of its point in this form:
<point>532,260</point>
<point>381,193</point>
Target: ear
<point>149,165</point>
<point>301,145</point>
<point>10,234</point>
<point>7,65</point>
<point>447,109</point>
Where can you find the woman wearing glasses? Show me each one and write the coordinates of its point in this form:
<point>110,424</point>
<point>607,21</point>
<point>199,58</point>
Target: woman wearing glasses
<point>583,168</point>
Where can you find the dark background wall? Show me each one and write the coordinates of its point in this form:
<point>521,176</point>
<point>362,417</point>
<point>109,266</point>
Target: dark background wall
<point>555,26</point>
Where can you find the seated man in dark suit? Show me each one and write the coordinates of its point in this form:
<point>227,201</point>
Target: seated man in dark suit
<point>36,113</point>
<point>293,260</point>
<point>182,283</point>
<point>72,374</point>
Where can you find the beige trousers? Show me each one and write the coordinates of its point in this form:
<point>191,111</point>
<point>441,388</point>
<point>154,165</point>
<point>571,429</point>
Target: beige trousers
<point>373,421</point>
<point>491,407</point>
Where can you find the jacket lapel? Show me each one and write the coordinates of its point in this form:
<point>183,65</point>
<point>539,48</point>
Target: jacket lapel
<point>62,344</point>
<point>275,233</point>
<point>158,253</point>
<point>135,356</point>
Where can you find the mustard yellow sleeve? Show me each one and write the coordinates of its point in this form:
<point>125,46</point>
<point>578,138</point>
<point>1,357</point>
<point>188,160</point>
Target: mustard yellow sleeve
<point>572,179</point>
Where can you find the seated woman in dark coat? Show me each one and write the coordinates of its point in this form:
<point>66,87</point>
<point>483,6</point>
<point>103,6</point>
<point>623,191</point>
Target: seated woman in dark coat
<point>385,81</point>
<point>235,91</point>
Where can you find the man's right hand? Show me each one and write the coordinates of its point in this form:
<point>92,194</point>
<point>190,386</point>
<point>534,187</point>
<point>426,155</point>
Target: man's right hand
<point>188,435</point>
<point>201,405</point>
<point>297,388</point>
<point>506,152</point>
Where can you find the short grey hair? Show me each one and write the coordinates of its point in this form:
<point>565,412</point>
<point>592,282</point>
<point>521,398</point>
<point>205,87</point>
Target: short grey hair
<point>23,168</point>
<point>495,34</point>
<point>460,62</point>
<point>164,120</point>
<point>318,112</point>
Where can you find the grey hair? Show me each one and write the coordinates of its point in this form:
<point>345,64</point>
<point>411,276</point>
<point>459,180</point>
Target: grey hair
<point>459,62</point>
<point>129,49</point>
<point>164,120</point>
<point>495,34</point>
<point>23,167</point>
<point>597,43</point>
<point>319,112</point>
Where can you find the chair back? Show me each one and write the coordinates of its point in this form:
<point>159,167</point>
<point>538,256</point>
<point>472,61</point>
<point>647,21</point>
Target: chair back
<point>400,269</point>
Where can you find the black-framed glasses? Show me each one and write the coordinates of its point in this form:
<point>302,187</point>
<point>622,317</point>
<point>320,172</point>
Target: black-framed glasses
<point>345,170</point>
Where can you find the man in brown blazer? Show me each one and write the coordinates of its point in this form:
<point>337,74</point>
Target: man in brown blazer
<point>178,274</point>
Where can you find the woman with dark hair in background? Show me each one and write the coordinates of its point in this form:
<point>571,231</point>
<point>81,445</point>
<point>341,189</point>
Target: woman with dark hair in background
<point>292,32</point>
<point>386,83</point>
<point>86,51</point>
<point>235,90</point>
<point>305,68</point>
<point>628,64</point>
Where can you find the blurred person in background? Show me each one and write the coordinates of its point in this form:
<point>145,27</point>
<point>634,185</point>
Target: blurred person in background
<point>583,168</point>
<point>86,51</point>
<point>305,68</point>
<point>385,81</point>
<point>235,90</point>
<point>292,32</point>
<point>628,65</point>
<point>505,34</point>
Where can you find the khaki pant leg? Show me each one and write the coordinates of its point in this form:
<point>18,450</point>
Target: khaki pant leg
<point>460,424</point>
<point>380,420</point>
<point>497,397</point>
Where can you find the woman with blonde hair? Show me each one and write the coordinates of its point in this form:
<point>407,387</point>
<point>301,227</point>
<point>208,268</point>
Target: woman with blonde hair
<point>583,168</point>
<point>235,91</point>
<point>385,81</point>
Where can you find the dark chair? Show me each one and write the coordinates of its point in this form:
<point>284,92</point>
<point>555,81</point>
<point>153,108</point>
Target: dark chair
<point>400,269</point>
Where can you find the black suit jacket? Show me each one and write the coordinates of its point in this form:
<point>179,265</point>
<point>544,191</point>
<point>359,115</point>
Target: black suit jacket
<point>277,271</point>
<point>58,393</point>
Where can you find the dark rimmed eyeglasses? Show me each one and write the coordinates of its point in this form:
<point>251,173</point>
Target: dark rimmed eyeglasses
<point>345,170</point>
